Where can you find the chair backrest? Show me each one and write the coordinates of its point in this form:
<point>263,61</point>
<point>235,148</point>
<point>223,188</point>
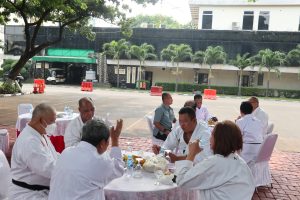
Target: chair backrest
<point>24,108</point>
<point>270,127</point>
<point>149,119</point>
<point>266,148</point>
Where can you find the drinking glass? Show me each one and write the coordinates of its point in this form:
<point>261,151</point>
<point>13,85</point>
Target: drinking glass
<point>138,169</point>
<point>158,174</point>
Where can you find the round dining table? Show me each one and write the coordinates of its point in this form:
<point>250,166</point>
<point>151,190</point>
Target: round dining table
<point>145,188</point>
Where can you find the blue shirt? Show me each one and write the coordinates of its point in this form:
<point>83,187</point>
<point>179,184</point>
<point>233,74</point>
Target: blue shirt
<point>165,116</point>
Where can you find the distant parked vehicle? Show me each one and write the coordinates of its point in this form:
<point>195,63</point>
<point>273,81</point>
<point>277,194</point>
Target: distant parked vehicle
<point>57,75</point>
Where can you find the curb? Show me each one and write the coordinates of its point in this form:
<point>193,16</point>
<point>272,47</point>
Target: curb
<point>16,94</point>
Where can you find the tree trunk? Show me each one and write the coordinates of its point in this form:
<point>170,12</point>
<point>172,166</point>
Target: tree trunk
<point>240,82</point>
<point>176,82</point>
<point>118,75</point>
<point>140,75</point>
<point>209,77</point>
<point>268,83</point>
<point>17,67</point>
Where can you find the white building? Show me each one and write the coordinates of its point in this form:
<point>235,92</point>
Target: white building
<point>270,15</point>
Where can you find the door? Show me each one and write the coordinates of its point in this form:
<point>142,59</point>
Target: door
<point>148,78</point>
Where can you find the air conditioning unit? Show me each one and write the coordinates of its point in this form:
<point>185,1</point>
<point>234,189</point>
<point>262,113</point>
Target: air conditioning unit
<point>150,25</point>
<point>235,26</point>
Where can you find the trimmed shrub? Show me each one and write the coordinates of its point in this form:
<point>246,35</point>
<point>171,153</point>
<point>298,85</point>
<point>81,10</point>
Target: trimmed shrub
<point>6,88</point>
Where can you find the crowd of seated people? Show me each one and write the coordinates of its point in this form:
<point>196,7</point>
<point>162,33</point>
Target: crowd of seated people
<point>212,161</point>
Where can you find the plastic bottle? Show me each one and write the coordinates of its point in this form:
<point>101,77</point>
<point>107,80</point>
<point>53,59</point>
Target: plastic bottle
<point>129,166</point>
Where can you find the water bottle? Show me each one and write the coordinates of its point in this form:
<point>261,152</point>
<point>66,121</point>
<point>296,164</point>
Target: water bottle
<point>66,110</point>
<point>129,166</point>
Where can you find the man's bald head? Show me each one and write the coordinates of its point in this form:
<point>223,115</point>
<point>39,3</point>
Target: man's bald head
<point>86,109</point>
<point>42,110</point>
<point>254,102</point>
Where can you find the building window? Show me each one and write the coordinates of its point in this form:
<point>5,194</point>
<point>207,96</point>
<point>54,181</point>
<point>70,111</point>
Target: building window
<point>202,78</point>
<point>245,81</point>
<point>207,19</point>
<point>248,20</point>
<point>299,25</point>
<point>260,79</point>
<point>263,20</point>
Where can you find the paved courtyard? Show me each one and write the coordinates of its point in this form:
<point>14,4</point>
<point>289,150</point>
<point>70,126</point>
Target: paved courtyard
<point>133,106</point>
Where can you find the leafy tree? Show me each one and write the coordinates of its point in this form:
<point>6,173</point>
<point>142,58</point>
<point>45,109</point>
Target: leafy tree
<point>293,56</point>
<point>116,49</point>
<point>213,55</point>
<point>156,20</point>
<point>270,60</point>
<point>143,52</point>
<point>72,14</point>
<point>177,53</point>
<point>241,62</point>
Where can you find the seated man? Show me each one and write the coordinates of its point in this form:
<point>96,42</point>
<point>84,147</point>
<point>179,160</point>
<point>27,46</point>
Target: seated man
<point>201,111</point>
<point>5,178</point>
<point>73,131</point>
<point>252,132</point>
<point>33,156</point>
<point>259,114</point>
<point>189,131</point>
<point>83,170</point>
<point>163,118</point>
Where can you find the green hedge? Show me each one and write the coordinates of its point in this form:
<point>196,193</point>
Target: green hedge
<point>6,88</point>
<point>246,91</point>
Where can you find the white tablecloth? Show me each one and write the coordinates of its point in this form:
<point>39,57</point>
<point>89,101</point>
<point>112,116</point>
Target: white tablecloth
<point>61,122</point>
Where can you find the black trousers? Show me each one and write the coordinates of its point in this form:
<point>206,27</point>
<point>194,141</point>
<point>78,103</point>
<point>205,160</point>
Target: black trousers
<point>161,136</point>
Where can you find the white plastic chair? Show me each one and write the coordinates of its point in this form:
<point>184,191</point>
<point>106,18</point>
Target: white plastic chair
<point>24,108</point>
<point>4,140</point>
<point>270,127</point>
<point>260,169</point>
<point>5,176</point>
<point>156,141</point>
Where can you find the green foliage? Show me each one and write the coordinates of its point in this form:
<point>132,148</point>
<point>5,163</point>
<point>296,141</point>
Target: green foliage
<point>214,55</point>
<point>198,57</point>
<point>177,53</point>
<point>1,73</point>
<point>293,56</point>
<point>6,88</point>
<point>7,65</point>
<point>156,20</point>
<point>116,49</point>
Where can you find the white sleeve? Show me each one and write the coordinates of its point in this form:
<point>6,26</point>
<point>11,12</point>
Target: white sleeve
<point>203,175</point>
<point>5,177</point>
<point>207,115</point>
<point>38,159</point>
<point>172,140</point>
<point>72,134</point>
<point>111,166</point>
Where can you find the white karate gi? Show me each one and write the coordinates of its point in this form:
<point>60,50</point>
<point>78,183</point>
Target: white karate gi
<point>263,117</point>
<point>73,132</point>
<point>217,177</point>
<point>202,114</point>
<point>33,159</point>
<point>82,173</point>
<point>5,178</point>
<point>176,143</point>
<point>252,131</point>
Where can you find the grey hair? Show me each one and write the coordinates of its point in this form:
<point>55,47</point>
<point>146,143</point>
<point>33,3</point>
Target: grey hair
<point>42,110</point>
<point>85,99</point>
<point>94,131</point>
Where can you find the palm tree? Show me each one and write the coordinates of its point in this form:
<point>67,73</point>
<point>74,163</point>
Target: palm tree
<point>177,53</point>
<point>213,55</point>
<point>293,56</point>
<point>241,62</point>
<point>270,60</point>
<point>116,49</point>
<point>142,53</point>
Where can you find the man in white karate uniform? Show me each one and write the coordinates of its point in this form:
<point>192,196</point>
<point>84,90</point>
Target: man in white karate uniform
<point>82,171</point>
<point>201,111</point>
<point>259,114</point>
<point>252,131</point>
<point>74,129</point>
<point>33,156</point>
<point>188,131</point>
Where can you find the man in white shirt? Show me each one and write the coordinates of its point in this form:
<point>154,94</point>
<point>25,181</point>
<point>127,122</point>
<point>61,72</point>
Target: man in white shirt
<point>201,111</point>
<point>252,131</point>
<point>259,113</point>
<point>188,131</point>
<point>82,171</point>
<point>33,156</point>
<point>74,129</point>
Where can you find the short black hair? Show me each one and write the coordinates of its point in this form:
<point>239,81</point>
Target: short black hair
<point>164,95</point>
<point>190,103</point>
<point>189,111</point>
<point>197,96</point>
<point>246,107</point>
<point>94,131</point>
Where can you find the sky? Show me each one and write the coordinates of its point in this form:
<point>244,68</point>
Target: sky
<point>177,9</point>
